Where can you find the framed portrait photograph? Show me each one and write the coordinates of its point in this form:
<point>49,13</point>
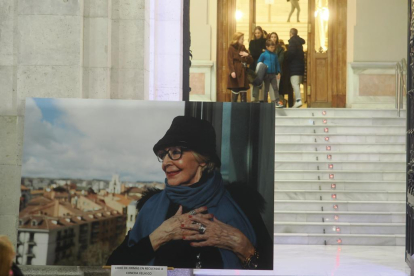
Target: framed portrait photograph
<point>123,182</point>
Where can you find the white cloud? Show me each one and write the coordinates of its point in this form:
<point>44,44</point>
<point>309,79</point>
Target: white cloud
<point>96,138</point>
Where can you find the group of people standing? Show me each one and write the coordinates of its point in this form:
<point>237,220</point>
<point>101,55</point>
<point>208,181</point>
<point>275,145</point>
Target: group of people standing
<point>274,64</point>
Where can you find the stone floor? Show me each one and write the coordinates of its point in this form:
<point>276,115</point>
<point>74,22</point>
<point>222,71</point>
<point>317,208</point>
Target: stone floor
<point>316,260</point>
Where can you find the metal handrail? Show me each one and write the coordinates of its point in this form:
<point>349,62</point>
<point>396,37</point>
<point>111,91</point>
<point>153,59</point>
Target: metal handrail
<point>400,84</point>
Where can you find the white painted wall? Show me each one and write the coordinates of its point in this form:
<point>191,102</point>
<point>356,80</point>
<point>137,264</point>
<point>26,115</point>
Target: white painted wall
<point>163,50</point>
<point>203,28</point>
<point>376,40</point>
<point>380,33</point>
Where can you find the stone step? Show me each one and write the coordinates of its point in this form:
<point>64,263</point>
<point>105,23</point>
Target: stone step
<point>340,165</point>
<point>317,216</point>
<point>345,239</point>
<point>341,156</point>
<point>349,147</point>
<point>339,175</point>
<point>340,228</point>
<point>339,121</point>
<point>370,130</point>
<point>329,195</point>
<point>339,112</point>
<point>340,185</point>
<point>360,206</point>
<point>339,138</point>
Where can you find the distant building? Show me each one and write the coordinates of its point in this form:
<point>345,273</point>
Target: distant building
<point>115,185</point>
<point>59,234</point>
<point>25,196</point>
<point>118,202</point>
<point>132,214</point>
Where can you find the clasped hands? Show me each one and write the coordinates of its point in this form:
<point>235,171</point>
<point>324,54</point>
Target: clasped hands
<point>215,233</point>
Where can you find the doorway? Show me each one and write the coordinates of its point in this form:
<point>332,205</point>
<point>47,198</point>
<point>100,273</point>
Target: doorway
<point>322,23</point>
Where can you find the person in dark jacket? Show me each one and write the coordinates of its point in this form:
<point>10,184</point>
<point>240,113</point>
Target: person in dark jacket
<point>285,87</point>
<point>296,58</point>
<point>257,46</point>
<point>194,222</point>
<point>238,58</point>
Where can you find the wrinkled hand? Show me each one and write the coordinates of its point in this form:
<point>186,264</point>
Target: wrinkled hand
<point>172,229</point>
<point>221,235</point>
<point>233,75</point>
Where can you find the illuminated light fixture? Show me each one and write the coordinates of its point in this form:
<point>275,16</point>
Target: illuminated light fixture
<point>333,196</point>
<point>335,206</point>
<point>269,2</point>
<point>333,186</point>
<point>336,217</point>
<point>326,129</point>
<point>338,229</point>
<point>330,166</point>
<point>325,121</point>
<point>339,241</point>
<point>239,15</point>
<point>328,147</point>
<point>324,13</point>
<point>329,156</point>
<point>331,176</point>
<point>326,138</point>
<point>323,112</point>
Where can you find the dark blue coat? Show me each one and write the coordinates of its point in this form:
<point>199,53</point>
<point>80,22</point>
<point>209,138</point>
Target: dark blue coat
<point>296,57</point>
<point>272,62</point>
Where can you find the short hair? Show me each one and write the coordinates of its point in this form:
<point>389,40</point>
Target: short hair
<point>236,38</point>
<point>270,43</point>
<point>210,165</point>
<point>294,31</point>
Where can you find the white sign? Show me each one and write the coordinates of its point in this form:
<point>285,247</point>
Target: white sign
<point>129,270</point>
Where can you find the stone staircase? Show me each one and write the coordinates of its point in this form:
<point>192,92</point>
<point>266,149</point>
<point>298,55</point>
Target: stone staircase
<point>340,177</point>
<point>281,28</point>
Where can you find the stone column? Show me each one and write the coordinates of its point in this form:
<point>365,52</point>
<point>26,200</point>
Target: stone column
<point>164,44</point>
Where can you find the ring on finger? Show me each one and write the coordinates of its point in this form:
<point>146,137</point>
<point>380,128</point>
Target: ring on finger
<point>202,228</point>
<point>193,212</point>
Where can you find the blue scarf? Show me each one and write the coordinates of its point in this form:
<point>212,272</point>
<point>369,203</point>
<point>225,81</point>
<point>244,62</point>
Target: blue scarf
<point>212,194</point>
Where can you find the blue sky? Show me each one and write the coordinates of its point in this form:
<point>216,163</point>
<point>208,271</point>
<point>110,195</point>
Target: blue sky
<point>94,139</point>
<point>50,112</point>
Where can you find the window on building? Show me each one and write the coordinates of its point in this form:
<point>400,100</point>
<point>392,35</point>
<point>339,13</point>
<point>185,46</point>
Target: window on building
<point>29,261</point>
<point>31,237</point>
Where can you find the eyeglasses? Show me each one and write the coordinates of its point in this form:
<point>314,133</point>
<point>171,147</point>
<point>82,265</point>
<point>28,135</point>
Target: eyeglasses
<point>174,153</point>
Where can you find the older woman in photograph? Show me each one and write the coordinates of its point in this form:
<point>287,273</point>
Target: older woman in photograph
<point>195,222</point>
